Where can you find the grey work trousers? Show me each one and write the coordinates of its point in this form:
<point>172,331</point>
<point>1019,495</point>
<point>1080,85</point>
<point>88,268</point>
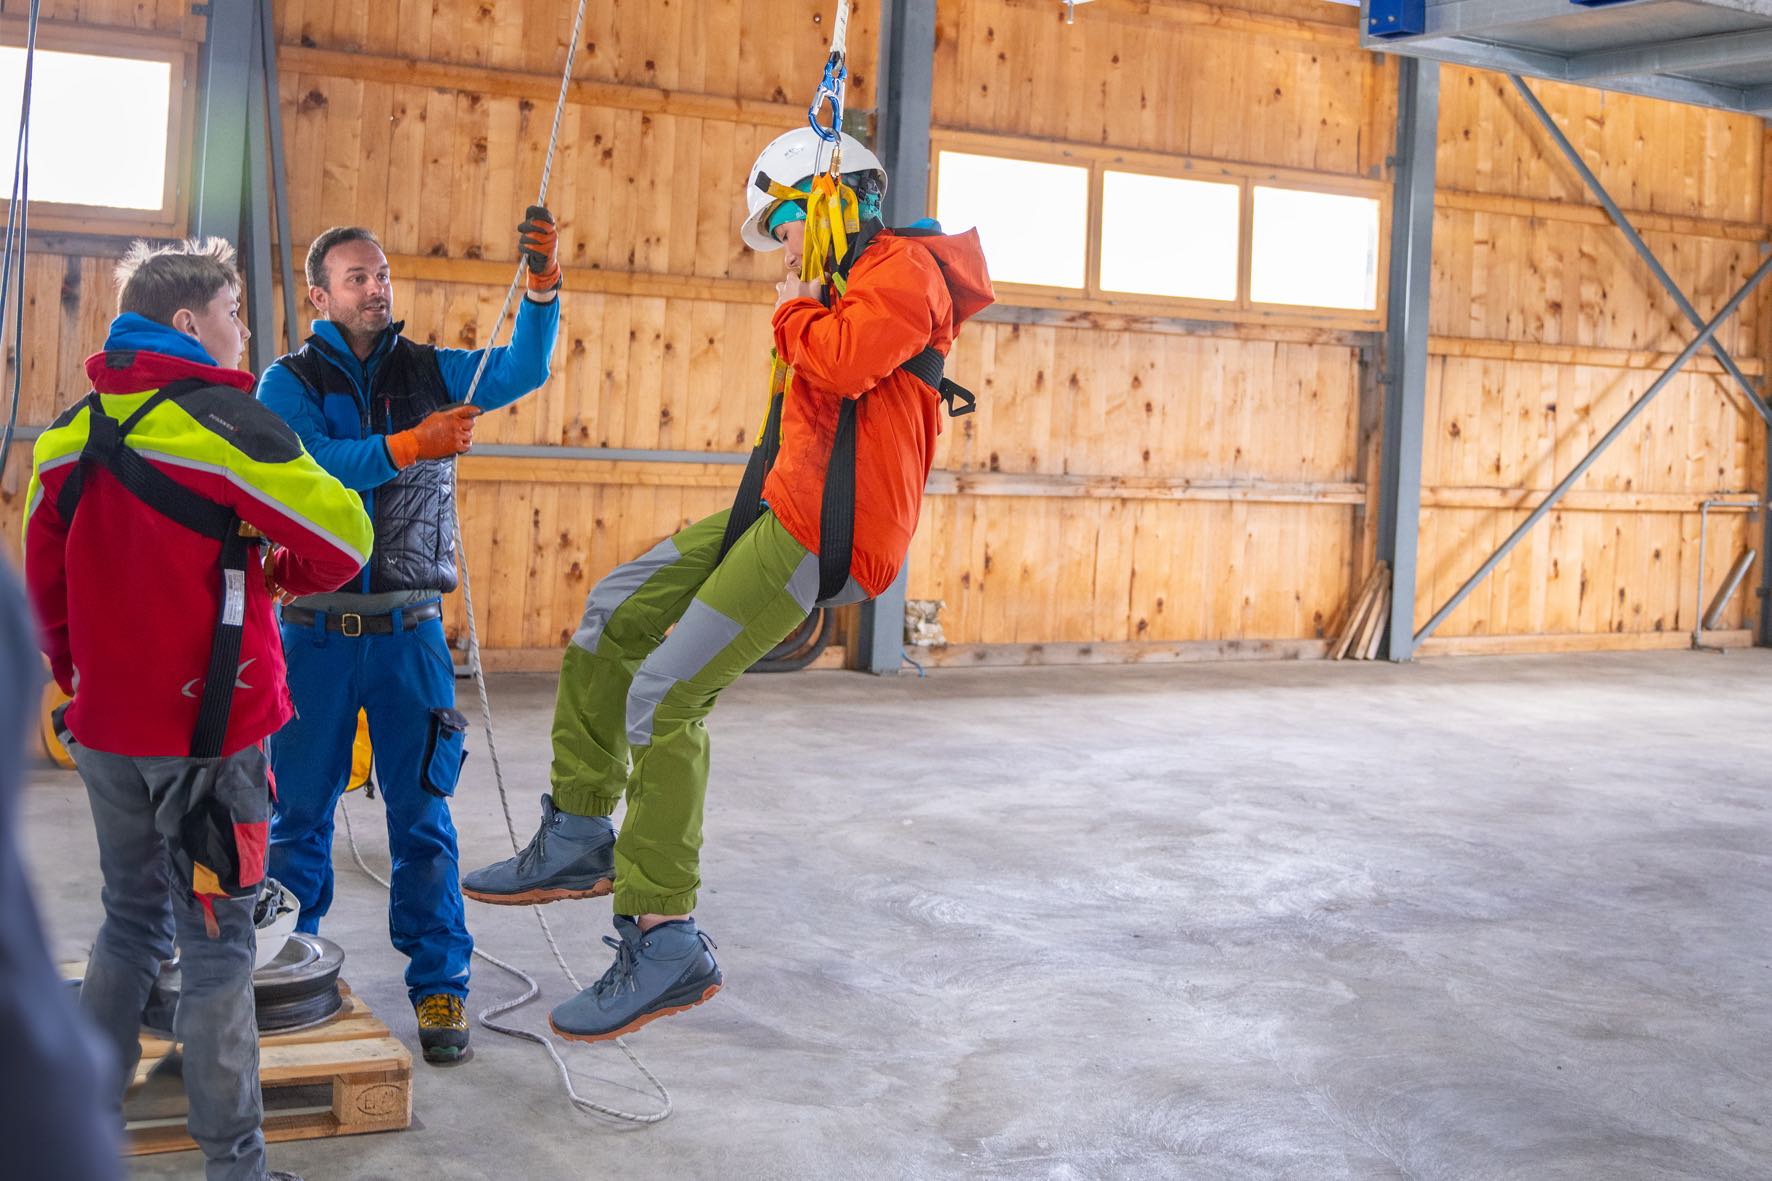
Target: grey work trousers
<point>145,911</point>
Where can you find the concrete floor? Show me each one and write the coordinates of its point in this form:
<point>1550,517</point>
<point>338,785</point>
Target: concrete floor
<point>1490,918</point>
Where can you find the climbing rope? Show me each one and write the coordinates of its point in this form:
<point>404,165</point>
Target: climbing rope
<point>488,1017</point>
<point>18,224</point>
<point>833,211</point>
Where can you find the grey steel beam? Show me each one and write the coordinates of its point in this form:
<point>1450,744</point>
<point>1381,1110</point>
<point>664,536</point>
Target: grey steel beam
<point>1481,18</point>
<point>1411,277</point>
<point>256,242</point>
<point>1636,240</point>
<point>1765,590</point>
<point>620,454</point>
<point>279,175</point>
<point>905,99</point>
<point>1509,59</point>
<point>1758,100</point>
<point>1580,469</point>
<point>228,50</point>
<point>1692,53</point>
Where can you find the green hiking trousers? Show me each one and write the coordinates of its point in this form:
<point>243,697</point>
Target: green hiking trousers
<point>630,718</point>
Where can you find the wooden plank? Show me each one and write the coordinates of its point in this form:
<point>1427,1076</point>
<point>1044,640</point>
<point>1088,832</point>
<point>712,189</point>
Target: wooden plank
<point>1188,652</point>
<point>537,87</point>
<point>1517,645</point>
<point>1594,215</point>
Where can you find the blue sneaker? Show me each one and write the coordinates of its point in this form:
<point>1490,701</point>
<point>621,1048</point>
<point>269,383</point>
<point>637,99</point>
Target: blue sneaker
<point>666,970</point>
<point>569,857</point>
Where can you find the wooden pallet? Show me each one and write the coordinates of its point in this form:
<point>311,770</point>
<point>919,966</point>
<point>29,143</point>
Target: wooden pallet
<point>340,1078</point>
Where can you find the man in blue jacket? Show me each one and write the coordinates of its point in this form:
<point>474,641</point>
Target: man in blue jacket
<point>382,414</point>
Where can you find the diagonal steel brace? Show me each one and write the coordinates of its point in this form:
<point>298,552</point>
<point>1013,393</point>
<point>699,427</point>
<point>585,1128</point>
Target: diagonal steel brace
<point>1636,240</point>
<point>1567,482</point>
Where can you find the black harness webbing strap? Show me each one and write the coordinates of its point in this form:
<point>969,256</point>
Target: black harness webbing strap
<point>105,447</point>
<point>747,506</point>
<point>836,516</point>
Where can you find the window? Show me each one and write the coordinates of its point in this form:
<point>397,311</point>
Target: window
<point>1164,236</point>
<point>110,127</point>
<point>1032,217</point>
<point>1314,249</point>
<point>99,127</point>
<point>1095,229</point>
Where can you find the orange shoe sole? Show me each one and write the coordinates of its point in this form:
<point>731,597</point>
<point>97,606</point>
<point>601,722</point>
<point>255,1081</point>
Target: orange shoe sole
<point>631,1026</point>
<point>535,897</point>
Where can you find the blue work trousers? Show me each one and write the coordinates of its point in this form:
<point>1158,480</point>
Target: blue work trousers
<point>405,680</point>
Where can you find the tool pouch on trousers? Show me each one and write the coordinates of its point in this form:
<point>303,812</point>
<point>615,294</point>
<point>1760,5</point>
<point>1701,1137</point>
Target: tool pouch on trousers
<point>215,817</point>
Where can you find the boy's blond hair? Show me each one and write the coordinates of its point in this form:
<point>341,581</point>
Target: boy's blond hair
<point>156,281</point>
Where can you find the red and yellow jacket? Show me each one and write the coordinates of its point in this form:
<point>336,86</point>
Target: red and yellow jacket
<point>128,599</point>
<point>904,294</point>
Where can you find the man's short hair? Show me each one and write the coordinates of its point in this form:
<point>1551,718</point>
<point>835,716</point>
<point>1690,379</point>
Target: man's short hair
<point>156,281</point>
<point>322,246</point>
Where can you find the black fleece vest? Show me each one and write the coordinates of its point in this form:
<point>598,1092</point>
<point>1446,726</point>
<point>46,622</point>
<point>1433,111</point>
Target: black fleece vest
<point>414,512</point>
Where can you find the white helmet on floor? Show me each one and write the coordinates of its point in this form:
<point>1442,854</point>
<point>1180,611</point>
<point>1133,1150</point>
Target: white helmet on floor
<point>274,914</point>
<point>788,159</point>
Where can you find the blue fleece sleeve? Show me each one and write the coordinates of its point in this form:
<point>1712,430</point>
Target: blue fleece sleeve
<point>515,368</point>
<point>358,464</point>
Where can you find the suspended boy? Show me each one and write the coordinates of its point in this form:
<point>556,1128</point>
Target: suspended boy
<point>632,703</point>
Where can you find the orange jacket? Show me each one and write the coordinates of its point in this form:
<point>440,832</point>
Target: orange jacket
<point>905,294</point>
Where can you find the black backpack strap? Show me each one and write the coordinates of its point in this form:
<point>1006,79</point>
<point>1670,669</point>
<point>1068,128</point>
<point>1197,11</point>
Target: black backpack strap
<point>224,650</point>
<point>927,367</point>
<point>836,517</point>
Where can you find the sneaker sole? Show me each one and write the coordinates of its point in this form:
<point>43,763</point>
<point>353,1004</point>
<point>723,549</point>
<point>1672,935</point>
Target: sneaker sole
<point>536,897</point>
<point>445,1057</point>
<point>637,1022</point>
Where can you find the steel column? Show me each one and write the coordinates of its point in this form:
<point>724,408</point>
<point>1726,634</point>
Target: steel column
<point>1765,590</point>
<point>228,51</point>
<point>1636,240</point>
<point>904,98</point>
<point>1411,276</point>
<point>278,173</point>
<point>1618,428</point>
<point>255,243</point>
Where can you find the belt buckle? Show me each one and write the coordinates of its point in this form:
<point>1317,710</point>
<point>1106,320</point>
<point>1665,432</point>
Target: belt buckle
<point>350,625</point>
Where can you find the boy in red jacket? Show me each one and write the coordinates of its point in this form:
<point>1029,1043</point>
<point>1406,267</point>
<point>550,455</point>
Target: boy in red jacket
<point>144,565</point>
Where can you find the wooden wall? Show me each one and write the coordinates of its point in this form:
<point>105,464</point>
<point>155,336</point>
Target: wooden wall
<point>1547,326</point>
<point>1134,485</point>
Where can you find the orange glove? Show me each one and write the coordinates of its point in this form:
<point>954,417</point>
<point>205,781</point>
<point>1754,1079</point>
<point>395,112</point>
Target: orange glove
<point>539,243</point>
<point>277,593</point>
<point>442,434</point>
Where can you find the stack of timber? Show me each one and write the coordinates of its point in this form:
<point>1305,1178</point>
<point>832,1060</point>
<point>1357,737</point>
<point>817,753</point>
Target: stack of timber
<point>1364,631</point>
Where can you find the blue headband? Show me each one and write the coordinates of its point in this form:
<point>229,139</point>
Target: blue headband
<point>867,205</point>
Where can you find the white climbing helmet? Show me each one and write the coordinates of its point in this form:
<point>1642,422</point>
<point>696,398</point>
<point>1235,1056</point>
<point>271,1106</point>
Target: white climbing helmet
<point>274,914</point>
<point>790,158</point>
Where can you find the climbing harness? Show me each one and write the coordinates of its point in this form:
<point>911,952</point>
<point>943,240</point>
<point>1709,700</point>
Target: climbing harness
<point>489,1017</point>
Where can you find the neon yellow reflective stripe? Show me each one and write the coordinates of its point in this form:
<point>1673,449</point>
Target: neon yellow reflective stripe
<point>299,488</point>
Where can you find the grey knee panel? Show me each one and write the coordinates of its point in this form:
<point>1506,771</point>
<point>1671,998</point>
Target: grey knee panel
<point>616,588</point>
<point>699,637</point>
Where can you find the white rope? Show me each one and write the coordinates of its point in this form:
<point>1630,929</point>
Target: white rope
<point>487,1017</point>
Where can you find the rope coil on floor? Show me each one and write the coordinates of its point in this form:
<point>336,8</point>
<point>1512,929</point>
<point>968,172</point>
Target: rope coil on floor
<point>488,1017</point>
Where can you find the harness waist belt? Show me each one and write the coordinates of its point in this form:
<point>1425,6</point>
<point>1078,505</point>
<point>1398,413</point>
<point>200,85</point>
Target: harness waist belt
<point>349,623</point>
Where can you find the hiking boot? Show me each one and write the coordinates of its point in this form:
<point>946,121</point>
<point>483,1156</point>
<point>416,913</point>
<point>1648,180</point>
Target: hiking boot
<point>568,857</point>
<point>666,970</point>
<point>442,1027</point>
